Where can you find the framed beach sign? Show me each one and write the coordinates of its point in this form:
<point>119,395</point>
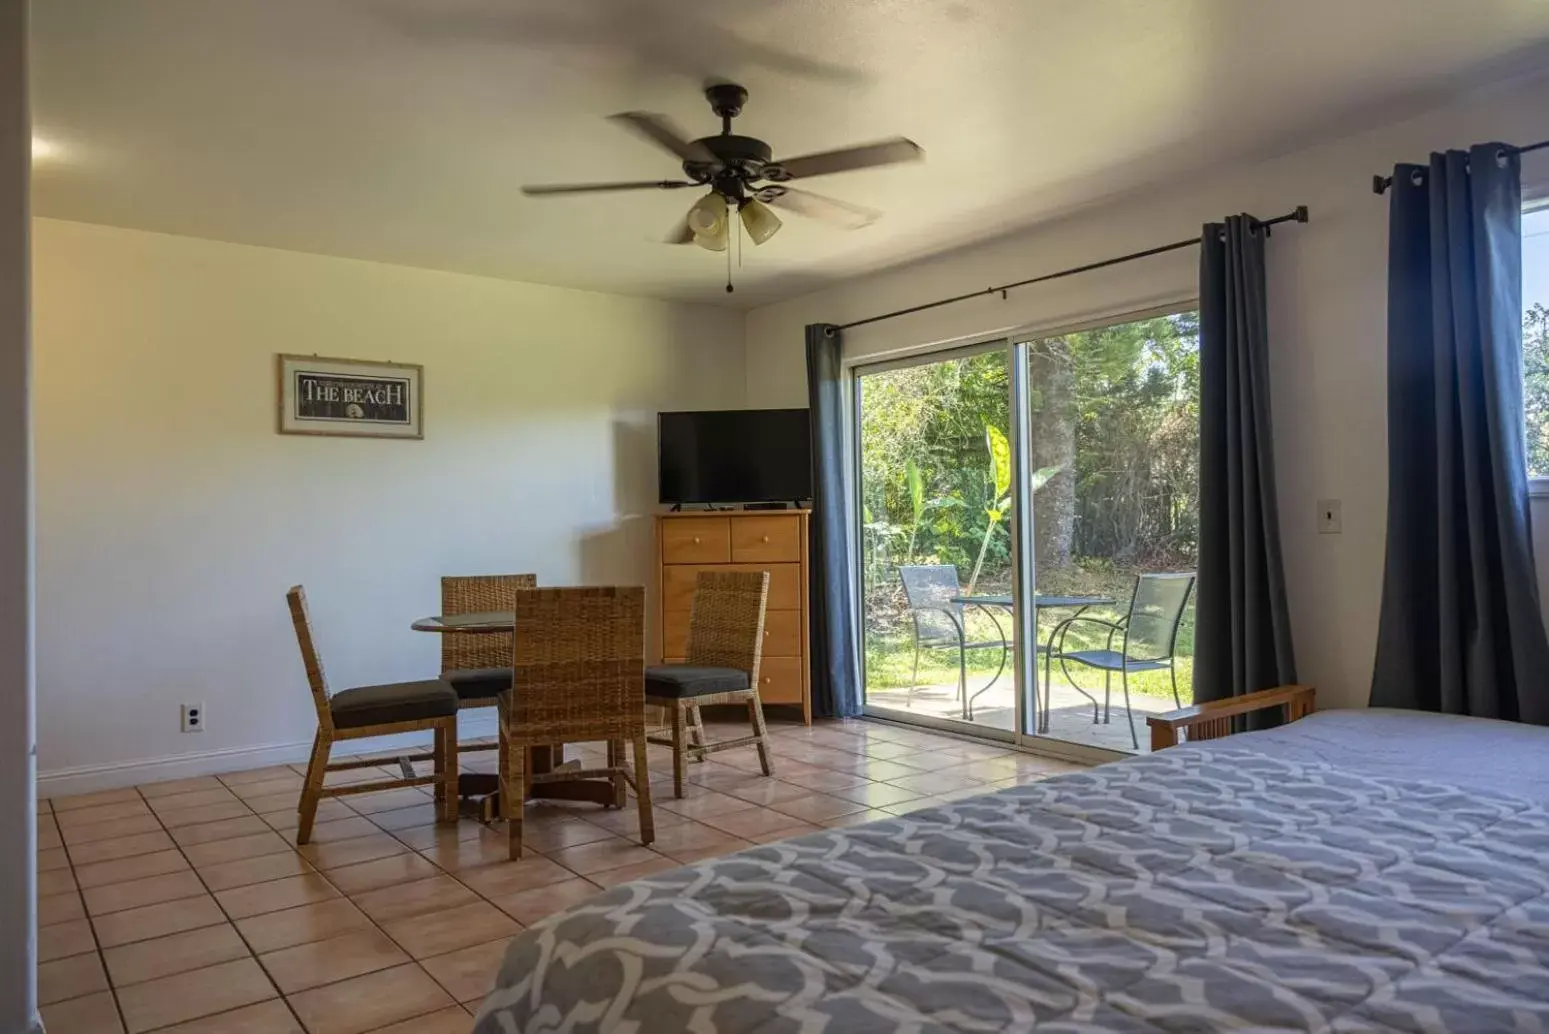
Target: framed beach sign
<point>350,397</point>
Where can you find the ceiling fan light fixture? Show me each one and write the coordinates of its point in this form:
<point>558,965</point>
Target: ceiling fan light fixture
<point>760,222</point>
<point>707,222</point>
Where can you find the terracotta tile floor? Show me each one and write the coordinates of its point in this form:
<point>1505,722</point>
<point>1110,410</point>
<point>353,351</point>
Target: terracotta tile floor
<point>186,906</point>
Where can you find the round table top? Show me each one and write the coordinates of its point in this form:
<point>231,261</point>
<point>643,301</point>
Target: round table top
<point>485,622</point>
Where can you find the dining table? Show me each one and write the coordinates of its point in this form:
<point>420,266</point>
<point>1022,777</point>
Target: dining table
<point>1007,602</point>
<point>541,760</point>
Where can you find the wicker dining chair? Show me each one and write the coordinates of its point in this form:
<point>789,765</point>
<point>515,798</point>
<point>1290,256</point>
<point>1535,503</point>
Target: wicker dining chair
<point>372,711</point>
<point>578,677</point>
<point>725,646</point>
<point>478,664</point>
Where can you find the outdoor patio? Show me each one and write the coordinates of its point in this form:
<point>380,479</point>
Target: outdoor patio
<point>1070,718</point>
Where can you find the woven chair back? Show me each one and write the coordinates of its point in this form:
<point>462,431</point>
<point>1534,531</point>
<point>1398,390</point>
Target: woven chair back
<point>579,664</point>
<point>726,626</point>
<point>479,594</point>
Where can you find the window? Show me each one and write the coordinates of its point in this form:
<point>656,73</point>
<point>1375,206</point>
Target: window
<point>1535,338</point>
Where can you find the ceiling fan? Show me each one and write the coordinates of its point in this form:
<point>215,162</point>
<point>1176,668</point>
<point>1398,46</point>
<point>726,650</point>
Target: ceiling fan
<point>743,176</point>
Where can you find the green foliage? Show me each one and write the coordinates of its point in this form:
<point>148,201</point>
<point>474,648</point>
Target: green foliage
<point>1535,388</point>
<point>1137,440</point>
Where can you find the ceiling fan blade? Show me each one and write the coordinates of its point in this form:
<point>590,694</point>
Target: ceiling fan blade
<point>548,189</point>
<point>818,206</point>
<point>659,130</point>
<point>866,156</point>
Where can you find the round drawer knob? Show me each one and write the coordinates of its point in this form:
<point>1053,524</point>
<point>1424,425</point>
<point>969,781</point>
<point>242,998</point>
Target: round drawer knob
<point>766,633</point>
<point>766,678</point>
<point>696,540</point>
<point>766,538</point>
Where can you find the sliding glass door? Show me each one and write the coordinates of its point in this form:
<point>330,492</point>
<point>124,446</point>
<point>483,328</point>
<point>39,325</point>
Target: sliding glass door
<point>1113,448</point>
<point>935,480</point>
<point>1028,527</point>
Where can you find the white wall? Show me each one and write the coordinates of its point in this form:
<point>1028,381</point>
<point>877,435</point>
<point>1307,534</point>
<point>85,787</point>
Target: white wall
<point>18,822</point>
<point>1327,300</point>
<point>172,517</point>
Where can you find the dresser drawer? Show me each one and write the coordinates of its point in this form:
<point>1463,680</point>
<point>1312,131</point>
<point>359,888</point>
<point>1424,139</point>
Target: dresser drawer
<point>782,633</point>
<point>678,584</point>
<point>696,540</point>
<point>779,680</point>
<point>675,633</point>
<point>766,540</point>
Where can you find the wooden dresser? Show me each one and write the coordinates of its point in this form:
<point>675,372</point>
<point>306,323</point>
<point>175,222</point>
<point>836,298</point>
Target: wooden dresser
<point>741,540</point>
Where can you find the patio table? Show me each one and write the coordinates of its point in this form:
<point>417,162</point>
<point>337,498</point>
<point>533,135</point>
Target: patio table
<point>1041,601</point>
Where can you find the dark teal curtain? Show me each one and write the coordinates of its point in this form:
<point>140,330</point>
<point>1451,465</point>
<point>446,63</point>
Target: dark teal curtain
<point>1461,630</point>
<point>832,629</point>
<point>1242,641</point>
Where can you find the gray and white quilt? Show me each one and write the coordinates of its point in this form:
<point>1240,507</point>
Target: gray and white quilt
<point>1198,889</point>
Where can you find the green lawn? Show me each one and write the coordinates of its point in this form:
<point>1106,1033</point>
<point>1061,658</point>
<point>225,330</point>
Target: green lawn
<point>890,655</point>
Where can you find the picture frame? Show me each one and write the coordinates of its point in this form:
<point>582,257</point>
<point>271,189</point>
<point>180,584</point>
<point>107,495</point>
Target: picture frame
<point>351,398</point>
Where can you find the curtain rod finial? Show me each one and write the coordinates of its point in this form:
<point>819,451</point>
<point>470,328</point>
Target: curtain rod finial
<point>1301,213</point>
<point>1380,184</point>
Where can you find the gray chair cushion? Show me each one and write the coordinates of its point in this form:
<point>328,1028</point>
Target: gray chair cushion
<point>396,702</point>
<point>689,680</point>
<point>478,683</point>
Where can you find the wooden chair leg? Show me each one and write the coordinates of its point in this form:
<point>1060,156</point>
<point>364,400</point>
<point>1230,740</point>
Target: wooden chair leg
<point>503,768</point>
<point>513,791</point>
<point>311,764</point>
<point>677,750</point>
<point>438,768</point>
<point>643,792</point>
<point>697,735</point>
<point>620,783</point>
<point>756,713</point>
<point>448,787</point>
<point>312,792</point>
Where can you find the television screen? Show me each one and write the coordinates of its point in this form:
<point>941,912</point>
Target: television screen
<point>734,456</point>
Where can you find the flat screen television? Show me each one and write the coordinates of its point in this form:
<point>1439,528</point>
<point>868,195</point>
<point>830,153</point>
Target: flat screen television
<point>734,456</point>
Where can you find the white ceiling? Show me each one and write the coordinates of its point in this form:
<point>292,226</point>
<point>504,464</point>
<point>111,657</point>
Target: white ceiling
<point>398,130</point>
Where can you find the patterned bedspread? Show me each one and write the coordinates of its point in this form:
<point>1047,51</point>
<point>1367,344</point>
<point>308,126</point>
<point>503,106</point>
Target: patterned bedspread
<point>1192,890</point>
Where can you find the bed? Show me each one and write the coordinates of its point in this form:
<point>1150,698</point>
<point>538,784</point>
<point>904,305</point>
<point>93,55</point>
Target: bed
<point>1351,871</point>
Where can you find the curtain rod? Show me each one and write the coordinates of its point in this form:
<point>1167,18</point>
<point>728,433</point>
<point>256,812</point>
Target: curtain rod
<point>1380,184</point>
<point>1298,215</point>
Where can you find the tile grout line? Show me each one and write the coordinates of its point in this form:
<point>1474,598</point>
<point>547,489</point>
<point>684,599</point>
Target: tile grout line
<point>229,920</point>
<point>102,959</point>
<point>853,749</point>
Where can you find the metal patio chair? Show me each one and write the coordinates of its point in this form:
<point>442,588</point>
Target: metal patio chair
<point>1148,641</point>
<point>940,622</point>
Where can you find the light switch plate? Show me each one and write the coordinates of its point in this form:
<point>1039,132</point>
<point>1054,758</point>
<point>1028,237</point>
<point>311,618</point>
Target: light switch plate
<point>1331,519</point>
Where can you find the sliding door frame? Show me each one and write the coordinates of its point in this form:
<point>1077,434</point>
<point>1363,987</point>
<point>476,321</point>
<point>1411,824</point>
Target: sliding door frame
<point>858,371</point>
<point>1014,344</point>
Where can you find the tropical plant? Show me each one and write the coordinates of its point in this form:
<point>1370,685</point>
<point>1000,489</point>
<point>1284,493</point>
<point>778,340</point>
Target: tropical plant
<point>916,484</point>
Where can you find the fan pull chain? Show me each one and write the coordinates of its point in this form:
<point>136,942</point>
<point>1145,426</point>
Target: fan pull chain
<point>729,287</point>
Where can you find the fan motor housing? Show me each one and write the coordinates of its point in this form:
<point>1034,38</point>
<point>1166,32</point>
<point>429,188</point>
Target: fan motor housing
<point>743,154</point>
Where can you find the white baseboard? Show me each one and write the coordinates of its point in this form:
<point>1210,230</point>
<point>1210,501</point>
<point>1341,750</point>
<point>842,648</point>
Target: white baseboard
<point>90,778</point>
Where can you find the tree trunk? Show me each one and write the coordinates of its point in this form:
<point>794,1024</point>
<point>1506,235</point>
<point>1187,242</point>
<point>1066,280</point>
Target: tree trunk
<point>1052,388</point>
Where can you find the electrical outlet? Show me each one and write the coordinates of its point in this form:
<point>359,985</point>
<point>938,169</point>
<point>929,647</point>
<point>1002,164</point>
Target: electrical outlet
<point>193,717</point>
<point>1331,519</point>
